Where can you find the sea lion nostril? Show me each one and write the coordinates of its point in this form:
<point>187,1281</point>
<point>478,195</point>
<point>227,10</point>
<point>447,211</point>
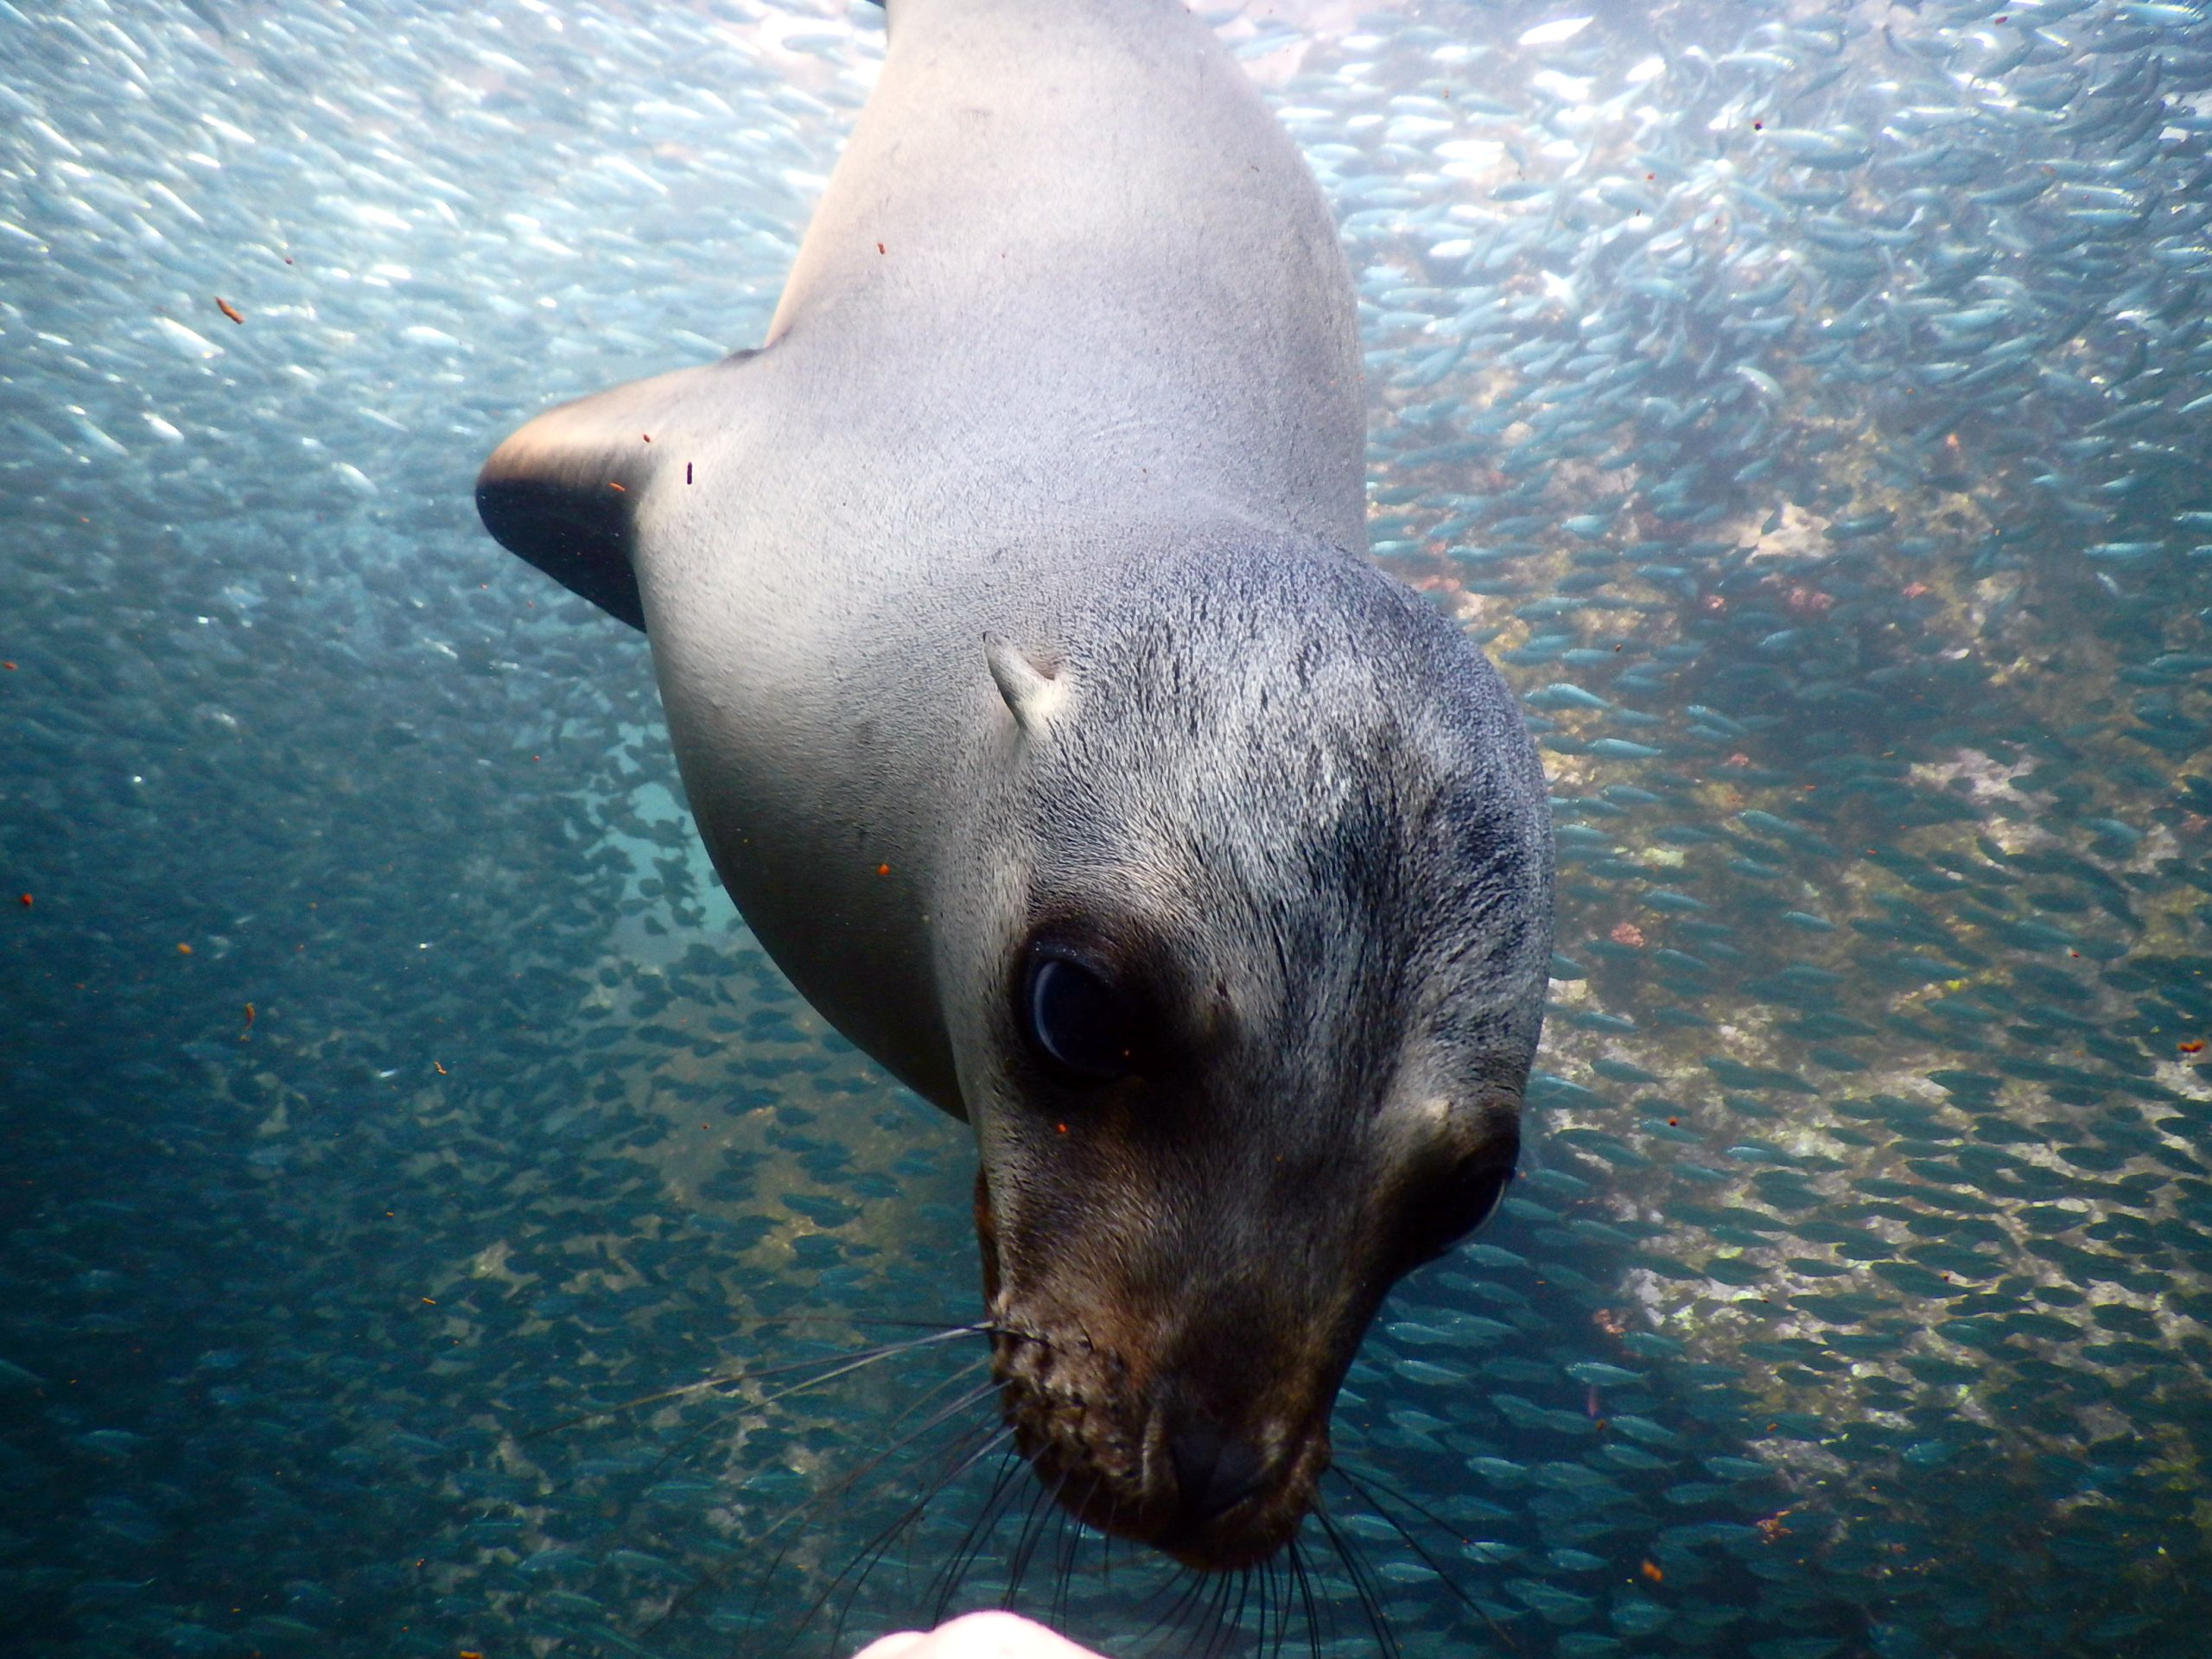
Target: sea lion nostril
<point>1214,1473</point>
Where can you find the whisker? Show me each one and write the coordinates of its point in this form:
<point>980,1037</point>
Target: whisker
<point>1303,1580</point>
<point>846,1362</point>
<point>1362,1583</point>
<point>1106,1550</point>
<point>1190,1583</point>
<point>1233,1625</point>
<point>920,1401</point>
<point>944,1583</point>
<point>872,1552</point>
<point>1199,1588</point>
<point>1223,1628</point>
<point>1465,1598</point>
<point>1224,1588</point>
<point>1037,1509</point>
<point>869,1557</point>
<point>971,1542</point>
<point>852,1477</point>
<point>1025,1543</point>
<point>840,1320</point>
<point>715,1578</point>
<point>1192,1611</point>
<point>1071,1540</point>
<point>939,1484</point>
<point>684,1442</point>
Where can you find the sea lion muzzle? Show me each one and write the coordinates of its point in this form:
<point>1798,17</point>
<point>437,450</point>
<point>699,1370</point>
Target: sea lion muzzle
<point>1189,1413</point>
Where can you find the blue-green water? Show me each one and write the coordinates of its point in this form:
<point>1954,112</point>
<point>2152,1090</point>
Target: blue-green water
<point>1809,409</point>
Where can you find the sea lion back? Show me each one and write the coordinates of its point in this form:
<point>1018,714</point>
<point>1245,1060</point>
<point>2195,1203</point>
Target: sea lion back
<point>1034,187</point>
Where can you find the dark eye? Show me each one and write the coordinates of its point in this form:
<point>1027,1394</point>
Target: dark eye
<point>1461,1202</point>
<point>1077,1020</point>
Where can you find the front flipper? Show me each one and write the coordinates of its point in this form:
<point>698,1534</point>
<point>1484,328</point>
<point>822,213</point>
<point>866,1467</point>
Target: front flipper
<point>562,492</point>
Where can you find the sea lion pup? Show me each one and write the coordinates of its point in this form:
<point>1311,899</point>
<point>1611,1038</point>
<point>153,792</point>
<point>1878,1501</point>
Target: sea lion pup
<point>1042,717</point>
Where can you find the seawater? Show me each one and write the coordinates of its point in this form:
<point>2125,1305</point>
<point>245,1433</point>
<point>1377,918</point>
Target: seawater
<point>1808,405</point>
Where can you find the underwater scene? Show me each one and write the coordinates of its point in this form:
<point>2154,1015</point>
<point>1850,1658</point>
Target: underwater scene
<point>429,1225</point>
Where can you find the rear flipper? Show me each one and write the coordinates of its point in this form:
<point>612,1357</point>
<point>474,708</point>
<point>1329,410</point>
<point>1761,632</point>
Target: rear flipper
<point>562,492</point>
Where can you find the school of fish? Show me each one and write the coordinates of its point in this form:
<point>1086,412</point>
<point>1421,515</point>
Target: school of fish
<point>423,1200</point>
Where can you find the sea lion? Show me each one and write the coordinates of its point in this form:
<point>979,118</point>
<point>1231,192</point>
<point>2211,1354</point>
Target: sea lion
<point>1044,719</point>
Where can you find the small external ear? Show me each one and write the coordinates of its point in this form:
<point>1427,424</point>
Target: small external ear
<point>1032,697</point>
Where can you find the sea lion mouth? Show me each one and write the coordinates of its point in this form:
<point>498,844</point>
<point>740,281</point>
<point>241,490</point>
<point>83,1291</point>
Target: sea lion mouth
<point>1119,1459</point>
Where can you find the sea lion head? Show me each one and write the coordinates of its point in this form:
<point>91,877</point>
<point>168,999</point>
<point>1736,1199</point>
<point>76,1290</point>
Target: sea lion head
<point>1244,955</point>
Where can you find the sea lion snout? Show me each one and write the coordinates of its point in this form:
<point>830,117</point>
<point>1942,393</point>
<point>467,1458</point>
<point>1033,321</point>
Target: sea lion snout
<point>1144,1458</point>
<point>1187,1410</point>
<point>1238,1496</point>
<point>1214,1471</point>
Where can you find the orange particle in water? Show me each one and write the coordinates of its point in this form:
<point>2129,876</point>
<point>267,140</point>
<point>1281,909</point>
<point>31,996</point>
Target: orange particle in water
<point>184,949</point>
<point>1627,934</point>
<point>883,869</point>
<point>1650,1570</point>
<point>24,898</point>
<point>1673,1122</point>
<point>224,306</point>
<point>2194,1048</point>
<point>440,1069</point>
